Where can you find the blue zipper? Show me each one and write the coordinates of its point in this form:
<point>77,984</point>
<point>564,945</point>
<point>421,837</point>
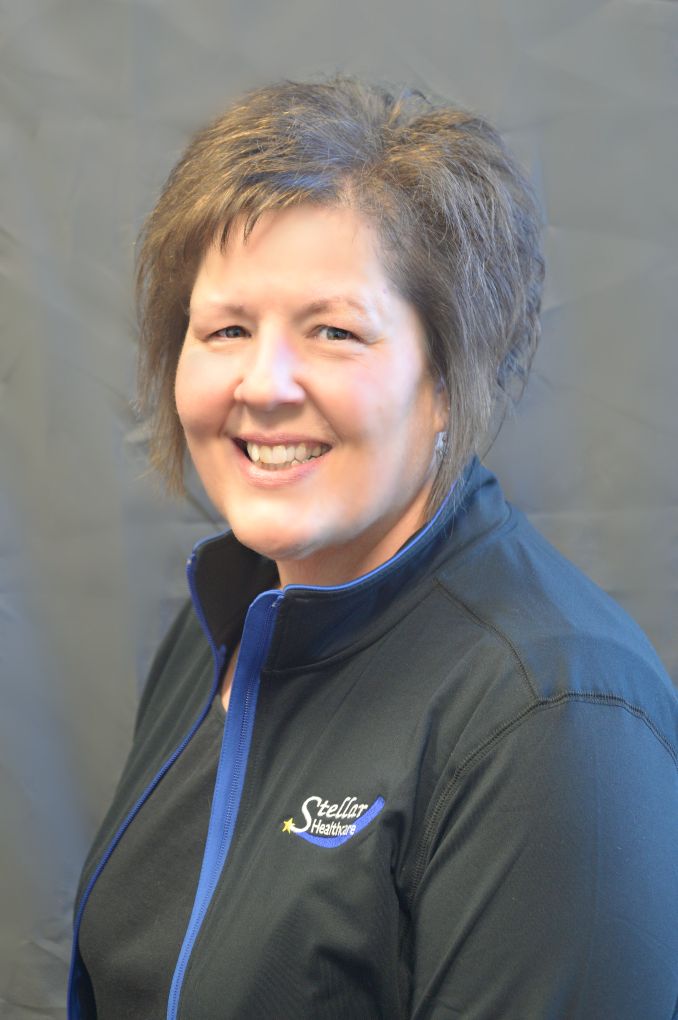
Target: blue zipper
<point>233,757</point>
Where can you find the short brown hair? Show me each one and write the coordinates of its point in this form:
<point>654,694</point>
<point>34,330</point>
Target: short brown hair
<point>458,223</point>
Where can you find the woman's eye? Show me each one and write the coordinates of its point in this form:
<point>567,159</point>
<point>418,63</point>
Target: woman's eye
<point>229,333</point>
<point>335,333</point>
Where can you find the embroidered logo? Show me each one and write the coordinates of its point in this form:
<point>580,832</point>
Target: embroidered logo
<point>329,825</point>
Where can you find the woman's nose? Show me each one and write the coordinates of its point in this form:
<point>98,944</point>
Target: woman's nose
<point>269,373</point>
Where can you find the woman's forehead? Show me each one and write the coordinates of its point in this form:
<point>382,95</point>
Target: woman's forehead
<point>331,255</point>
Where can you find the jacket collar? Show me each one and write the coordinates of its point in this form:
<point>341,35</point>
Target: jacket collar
<point>318,623</point>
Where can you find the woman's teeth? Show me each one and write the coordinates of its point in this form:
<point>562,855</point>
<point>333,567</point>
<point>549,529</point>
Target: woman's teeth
<point>277,457</point>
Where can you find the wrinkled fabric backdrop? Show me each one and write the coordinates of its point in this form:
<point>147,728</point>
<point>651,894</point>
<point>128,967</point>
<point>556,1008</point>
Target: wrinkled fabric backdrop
<point>99,99</point>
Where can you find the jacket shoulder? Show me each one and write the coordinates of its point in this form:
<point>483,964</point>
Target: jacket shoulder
<point>545,619</point>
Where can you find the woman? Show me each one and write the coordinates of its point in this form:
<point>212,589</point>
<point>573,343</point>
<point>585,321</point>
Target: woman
<point>397,758</point>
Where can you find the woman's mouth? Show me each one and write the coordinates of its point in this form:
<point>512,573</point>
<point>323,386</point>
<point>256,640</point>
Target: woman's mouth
<point>279,456</point>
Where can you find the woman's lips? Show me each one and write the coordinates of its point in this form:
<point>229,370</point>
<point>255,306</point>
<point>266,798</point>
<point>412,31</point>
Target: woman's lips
<point>278,456</point>
<point>280,471</point>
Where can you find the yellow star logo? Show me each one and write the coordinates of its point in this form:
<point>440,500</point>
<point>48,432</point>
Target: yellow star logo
<point>287,826</point>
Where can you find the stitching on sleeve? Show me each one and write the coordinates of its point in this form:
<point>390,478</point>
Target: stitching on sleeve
<point>609,700</point>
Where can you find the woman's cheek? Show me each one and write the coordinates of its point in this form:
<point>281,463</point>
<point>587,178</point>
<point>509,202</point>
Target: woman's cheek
<point>198,390</point>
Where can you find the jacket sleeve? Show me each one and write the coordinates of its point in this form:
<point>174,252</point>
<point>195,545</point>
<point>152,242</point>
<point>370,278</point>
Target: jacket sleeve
<point>550,883</point>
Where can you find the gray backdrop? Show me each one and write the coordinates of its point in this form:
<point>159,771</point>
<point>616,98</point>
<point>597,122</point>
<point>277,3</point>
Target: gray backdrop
<point>99,97</point>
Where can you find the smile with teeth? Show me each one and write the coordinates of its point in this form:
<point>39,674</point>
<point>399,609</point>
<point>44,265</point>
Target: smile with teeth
<point>276,457</point>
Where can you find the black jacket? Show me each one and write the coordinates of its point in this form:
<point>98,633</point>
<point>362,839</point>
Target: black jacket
<point>447,789</point>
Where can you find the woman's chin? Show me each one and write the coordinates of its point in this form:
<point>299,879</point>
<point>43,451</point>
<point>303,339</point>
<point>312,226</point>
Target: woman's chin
<point>282,546</point>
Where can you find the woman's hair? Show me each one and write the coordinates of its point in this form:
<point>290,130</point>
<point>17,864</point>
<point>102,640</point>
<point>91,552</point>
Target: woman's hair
<point>458,224</point>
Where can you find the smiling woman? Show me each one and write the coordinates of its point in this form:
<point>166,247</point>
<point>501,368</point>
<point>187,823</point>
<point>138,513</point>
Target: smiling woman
<point>346,411</point>
<point>396,757</point>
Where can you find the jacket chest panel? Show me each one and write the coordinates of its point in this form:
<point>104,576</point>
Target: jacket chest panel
<point>329,915</point>
<point>308,887</point>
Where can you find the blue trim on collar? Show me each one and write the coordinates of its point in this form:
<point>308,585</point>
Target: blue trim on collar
<point>414,540</point>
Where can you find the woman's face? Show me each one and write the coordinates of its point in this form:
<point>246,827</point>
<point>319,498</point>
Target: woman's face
<point>305,397</point>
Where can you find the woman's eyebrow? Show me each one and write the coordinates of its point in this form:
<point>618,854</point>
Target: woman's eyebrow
<point>326,304</point>
<point>209,306</point>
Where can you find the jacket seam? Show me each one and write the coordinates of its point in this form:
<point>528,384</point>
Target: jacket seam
<point>487,625</point>
<point>589,697</point>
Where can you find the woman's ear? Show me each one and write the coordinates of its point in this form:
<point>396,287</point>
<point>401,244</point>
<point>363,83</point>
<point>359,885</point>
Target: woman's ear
<point>441,410</point>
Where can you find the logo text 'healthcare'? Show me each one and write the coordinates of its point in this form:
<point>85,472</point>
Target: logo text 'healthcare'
<point>322,818</point>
